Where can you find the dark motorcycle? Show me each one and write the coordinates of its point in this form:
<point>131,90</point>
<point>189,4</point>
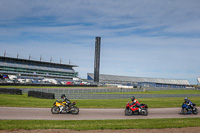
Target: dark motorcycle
<point>142,110</point>
<point>187,109</point>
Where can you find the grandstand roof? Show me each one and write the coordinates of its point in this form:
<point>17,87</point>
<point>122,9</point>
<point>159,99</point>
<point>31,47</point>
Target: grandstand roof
<point>35,62</point>
<point>127,79</point>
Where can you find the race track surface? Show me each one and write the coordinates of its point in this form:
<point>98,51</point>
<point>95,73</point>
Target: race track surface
<point>20,113</point>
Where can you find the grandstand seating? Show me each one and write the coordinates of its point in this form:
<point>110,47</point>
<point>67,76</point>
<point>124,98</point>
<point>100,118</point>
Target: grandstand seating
<point>36,68</point>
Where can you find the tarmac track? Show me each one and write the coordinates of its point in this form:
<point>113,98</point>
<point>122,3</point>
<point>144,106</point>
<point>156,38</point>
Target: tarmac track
<point>21,113</point>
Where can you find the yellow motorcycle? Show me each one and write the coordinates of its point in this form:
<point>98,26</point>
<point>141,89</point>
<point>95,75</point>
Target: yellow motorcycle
<point>64,107</point>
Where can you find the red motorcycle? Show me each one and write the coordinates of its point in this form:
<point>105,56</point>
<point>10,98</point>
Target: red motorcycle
<point>135,110</point>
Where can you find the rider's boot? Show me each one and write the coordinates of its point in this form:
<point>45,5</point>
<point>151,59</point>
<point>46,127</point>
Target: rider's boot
<point>61,108</point>
<point>139,109</point>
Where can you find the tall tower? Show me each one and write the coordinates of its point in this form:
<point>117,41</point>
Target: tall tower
<point>97,59</point>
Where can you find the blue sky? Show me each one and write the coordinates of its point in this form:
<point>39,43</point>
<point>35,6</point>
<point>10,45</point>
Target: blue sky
<point>139,38</point>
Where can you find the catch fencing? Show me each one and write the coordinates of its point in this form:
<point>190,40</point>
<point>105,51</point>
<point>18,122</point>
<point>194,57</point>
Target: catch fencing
<point>124,96</point>
<point>96,93</point>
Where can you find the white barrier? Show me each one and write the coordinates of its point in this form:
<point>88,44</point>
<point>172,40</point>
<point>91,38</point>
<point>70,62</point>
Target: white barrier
<point>124,87</point>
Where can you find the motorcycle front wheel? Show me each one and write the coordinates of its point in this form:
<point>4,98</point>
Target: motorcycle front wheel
<point>184,111</point>
<point>55,110</point>
<point>74,110</point>
<point>144,112</point>
<point>128,112</point>
<point>195,111</point>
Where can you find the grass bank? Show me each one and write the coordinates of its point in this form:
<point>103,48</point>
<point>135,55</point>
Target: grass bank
<point>25,101</point>
<point>99,124</point>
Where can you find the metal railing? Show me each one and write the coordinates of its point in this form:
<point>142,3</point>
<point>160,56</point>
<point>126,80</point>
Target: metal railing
<point>123,96</point>
<point>95,93</point>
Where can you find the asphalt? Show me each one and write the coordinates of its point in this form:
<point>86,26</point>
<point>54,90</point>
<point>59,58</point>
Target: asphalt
<point>21,113</point>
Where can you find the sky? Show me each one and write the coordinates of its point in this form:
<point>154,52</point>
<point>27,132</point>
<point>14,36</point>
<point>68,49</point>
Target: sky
<point>139,38</point>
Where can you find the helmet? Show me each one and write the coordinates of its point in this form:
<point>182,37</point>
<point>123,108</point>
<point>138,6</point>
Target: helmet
<point>63,95</point>
<point>186,98</point>
<point>132,98</point>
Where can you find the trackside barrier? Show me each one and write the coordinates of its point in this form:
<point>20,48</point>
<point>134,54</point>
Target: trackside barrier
<point>41,95</point>
<point>97,90</point>
<point>10,91</point>
<point>123,96</point>
<point>95,93</point>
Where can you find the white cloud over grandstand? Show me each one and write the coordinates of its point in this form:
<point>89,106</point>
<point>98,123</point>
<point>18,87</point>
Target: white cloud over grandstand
<point>139,38</point>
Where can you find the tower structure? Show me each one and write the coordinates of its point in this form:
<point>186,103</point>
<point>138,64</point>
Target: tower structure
<point>97,59</point>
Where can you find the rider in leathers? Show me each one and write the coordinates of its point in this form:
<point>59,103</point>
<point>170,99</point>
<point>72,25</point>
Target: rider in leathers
<point>65,99</point>
<point>188,102</point>
<point>135,103</point>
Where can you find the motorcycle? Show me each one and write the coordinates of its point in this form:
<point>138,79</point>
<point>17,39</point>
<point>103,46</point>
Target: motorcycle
<point>62,107</point>
<point>142,110</point>
<point>187,109</point>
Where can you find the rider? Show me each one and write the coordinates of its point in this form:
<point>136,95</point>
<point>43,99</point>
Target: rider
<point>188,102</point>
<point>135,103</point>
<point>65,99</point>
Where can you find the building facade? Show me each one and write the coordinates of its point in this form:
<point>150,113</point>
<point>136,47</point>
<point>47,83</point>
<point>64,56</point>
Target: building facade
<point>140,81</point>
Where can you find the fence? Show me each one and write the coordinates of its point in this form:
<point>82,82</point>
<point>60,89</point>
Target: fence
<point>123,96</point>
<point>95,93</point>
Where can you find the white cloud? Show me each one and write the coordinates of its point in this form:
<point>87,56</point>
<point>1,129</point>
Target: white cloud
<point>139,38</point>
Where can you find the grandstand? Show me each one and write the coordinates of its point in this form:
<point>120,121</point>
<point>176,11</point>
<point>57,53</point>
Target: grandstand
<point>32,69</point>
<point>140,81</point>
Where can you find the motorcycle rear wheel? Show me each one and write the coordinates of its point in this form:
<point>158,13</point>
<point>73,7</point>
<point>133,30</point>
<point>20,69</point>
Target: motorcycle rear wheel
<point>195,112</point>
<point>74,110</point>
<point>128,112</point>
<point>55,110</point>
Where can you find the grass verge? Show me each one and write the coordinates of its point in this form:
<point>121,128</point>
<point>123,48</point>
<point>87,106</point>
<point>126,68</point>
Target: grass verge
<point>100,124</point>
<point>25,101</point>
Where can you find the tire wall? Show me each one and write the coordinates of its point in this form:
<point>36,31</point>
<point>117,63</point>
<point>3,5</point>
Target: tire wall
<point>42,95</point>
<point>10,91</point>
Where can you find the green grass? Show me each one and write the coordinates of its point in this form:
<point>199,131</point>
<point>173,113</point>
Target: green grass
<point>100,124</point>
<point>151,102</point>
<point>25,101</point>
